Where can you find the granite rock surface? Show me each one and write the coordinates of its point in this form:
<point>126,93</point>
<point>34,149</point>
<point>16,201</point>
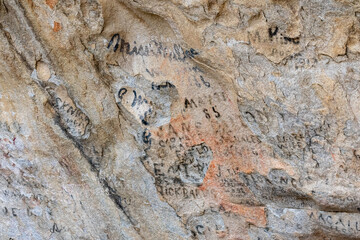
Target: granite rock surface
<point>180,119</point>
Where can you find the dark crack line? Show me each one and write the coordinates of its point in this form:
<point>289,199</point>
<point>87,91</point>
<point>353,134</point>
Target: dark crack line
<point>94,166</point>
<point>142,159</point>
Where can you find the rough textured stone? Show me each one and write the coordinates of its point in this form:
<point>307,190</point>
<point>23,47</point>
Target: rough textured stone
<point>196,119</point>
<point>43,71</point>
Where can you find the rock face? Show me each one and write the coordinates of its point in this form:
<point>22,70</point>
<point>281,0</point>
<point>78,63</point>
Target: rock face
<point>179,119</point>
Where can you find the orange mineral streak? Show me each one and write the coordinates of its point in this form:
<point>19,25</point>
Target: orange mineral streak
<point>210,180</point>
<point>57,27</point>
<point>253,215</point>
<point>51,3</point>
<point>228,153</point>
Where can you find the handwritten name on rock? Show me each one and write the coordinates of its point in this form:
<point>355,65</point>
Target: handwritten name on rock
<point>134,102</point>
<point>71,117</point>
<point>153,48</point>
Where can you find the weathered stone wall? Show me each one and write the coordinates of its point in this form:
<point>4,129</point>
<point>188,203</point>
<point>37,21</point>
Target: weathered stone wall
<point>179,119</point>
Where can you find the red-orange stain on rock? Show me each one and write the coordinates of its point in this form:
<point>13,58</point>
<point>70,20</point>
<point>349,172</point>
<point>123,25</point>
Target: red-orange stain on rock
<point>210,179</point>
<point>228,153</point>
<point>57,26</point>
<point>51,3</point>
<point>253,215</point>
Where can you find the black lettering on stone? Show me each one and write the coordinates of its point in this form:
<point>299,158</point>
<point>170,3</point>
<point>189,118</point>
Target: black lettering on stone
<point>199,229</point>
<point>55,228</point>
<point>146,137</point>
<point>13,212</point>
<point>273,33</point>
<point>122,92</point>
<point>164,85</point>
<point>117,42</point>
<point>189,103</point>
<point>125,45</point>
<point>175,53</point>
